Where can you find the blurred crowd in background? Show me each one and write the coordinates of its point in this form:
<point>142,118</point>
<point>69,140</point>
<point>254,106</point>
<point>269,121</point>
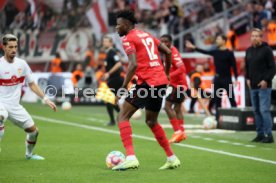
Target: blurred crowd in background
<point>178,15</point>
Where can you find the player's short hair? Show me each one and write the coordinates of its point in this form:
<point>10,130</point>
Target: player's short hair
<point>222,37</point>
<point>128,15</point>
<point>8,37</point>
<point>169,37</point>
<point>257,30</point>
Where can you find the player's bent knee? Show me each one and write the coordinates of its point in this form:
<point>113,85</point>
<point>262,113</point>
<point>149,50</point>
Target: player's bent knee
<point>151,123</point>
<point>31,129</point>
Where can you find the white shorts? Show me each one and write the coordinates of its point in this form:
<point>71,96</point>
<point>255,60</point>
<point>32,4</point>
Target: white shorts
<point>17,114</point>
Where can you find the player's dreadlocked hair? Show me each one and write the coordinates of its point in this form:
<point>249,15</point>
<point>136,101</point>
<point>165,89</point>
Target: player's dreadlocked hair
<point>128,15</point>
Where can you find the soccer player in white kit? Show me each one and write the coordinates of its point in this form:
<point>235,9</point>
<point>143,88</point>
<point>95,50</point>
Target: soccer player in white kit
<point>13,72</point>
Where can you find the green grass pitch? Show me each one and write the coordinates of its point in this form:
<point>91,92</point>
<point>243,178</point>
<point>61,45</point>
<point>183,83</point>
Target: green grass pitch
<point>76,142</point>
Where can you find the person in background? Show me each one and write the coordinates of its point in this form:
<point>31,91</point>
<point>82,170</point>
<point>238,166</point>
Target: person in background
<point>260,70</point>
<point>208,76</point>
<point>112,75</point>
<point>197,89</point>
<point>232,40</point>
<point>89,58</point>
<point>175,98</point>
<point>56,64</point>
<point>77,74</point>
<point>224,61</point>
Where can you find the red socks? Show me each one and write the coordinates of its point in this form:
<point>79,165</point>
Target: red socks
<point>175,124</point>
<point>126,137</point>
<point>157,130</point>
<point>181,124</point>
<point>160,136</point>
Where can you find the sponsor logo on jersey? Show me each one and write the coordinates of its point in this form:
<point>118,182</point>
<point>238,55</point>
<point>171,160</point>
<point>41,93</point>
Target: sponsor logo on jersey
<point>19,71</point>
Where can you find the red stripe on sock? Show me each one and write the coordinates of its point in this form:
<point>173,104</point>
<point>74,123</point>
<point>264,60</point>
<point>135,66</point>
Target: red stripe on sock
<point>161,138</point>
<point>2,127</point>
<point>126,137</point>
<point>181,125</point>
<point>30,142</point>
<point>175,124</point>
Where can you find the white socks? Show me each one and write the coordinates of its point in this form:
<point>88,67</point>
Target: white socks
<point>30,142</point>
<point>171,158</point>
<point>131,158</point>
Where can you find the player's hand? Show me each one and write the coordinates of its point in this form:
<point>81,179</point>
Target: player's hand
<point>51,104</point>
<point>190,45</point>
<point>263,84</point>
<point>105,76</point>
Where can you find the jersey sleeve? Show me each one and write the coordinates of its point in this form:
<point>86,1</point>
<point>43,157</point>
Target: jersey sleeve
<point>116,57</point>
<point>176,59</point>
<point>156,41</point>
<point>28,73</point>
<point>129,46</point>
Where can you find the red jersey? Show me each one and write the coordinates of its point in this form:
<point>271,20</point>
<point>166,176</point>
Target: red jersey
<point>178,70</point>
<point>150,68</point>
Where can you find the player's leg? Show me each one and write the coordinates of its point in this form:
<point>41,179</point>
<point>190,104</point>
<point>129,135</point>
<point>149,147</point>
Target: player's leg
<point>114,84</point>
<point>129,107</point>
<point>126,112</point>
<point>176,98</point>
<point>20,117</point>
<point>109,109</point>
<point>229,87</point>
<point>254,94</point>
<point>177,107</point>
<point>192,104</point>
<point>160,136</point>
<point>153,107</point>
<point>217,98</point>
<point>171,115</point>
<point>211,104</point>
<point>265,102</point>
<point>3,117</point>
<point>179,116</point>
<point>31,139</point>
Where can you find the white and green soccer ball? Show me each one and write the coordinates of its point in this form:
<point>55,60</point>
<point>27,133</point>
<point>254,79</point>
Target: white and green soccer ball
<point>66,106</point>
<point>114,158</point>
<point>209,123</point>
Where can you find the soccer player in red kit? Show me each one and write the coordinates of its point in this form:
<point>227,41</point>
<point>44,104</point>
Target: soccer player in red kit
<point>178,85</point>
<point>144,61</point>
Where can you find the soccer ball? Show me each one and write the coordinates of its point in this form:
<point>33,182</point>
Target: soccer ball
<point>66,106</point>
<point>137,114</point>
<point>114,158</point>
<point>209,123</point>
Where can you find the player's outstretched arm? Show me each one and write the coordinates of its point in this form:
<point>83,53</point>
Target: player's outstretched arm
<point>37,90</point>
<point>191,46</point>
<point>164,49</point>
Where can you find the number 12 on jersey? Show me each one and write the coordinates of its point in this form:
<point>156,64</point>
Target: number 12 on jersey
<point>149,44</point>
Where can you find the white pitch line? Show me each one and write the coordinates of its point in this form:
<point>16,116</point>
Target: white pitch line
<point>237,144</point>
<point>248,145</point>
<point>68,123</point>
<point>209,139</point>
<point>223,141</point>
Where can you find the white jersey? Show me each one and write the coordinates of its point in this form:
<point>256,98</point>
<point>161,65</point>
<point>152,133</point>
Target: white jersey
<point>12,77</point>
